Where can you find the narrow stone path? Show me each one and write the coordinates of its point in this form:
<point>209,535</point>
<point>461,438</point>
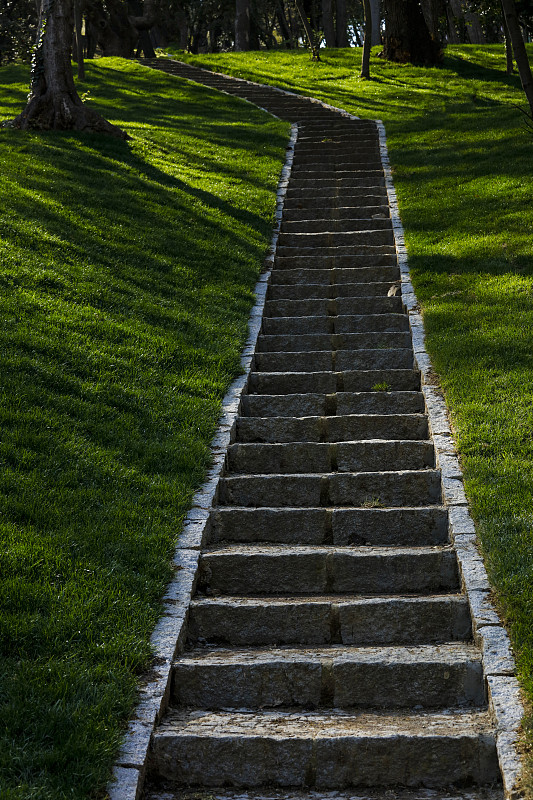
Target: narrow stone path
<point>329,643</point>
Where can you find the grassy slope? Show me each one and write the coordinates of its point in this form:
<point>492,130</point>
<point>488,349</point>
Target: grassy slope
<point>126,278</point>
<point>462,167</point>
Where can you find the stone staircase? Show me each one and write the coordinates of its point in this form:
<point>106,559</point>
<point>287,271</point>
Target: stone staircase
<point>329,642</point>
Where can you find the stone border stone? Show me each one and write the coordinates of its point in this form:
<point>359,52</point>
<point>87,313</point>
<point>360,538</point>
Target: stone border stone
<point>167,638</point>
<point>489,633</point>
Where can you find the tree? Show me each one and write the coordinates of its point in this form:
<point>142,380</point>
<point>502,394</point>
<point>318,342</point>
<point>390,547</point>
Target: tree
<point>327,23</point>
<point>407,37</point>
<point>376,22</point>
<point>53,102</point>
<point>242,25</point>
<point>519,49</point>
<point>365,62</point>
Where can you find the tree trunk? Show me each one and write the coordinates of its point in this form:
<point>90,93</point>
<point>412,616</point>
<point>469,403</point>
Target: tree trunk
<point>376,22</point>
<point>242,25</point>
<point>53,102</point>
<point>341,24</point>
<point>519,49</point>
<point>284,29</point>
<point>365,63</point>
<point>407,37</point>
<point>308,31</point>
<point>79,42</point>
<point>327,23</point>
<point>509,65</point>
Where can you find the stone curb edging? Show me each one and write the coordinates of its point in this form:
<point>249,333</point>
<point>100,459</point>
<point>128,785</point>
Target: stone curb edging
<point>489,633</point>
<point>314,100</point>
<point>130,767</point>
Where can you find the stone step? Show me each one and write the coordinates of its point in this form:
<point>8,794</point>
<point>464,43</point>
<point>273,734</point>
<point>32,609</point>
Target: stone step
<point>339,306</point>
<point>255,570</point>
<point>429,676</point>
<point>329,226</point>
<point>379,527</point>
<point>299,343</point>
<point>329,750</point>
<point>373,236</point>
<point>355,188</point>
<point>328,382</point>
<point>341,250</point>
<point>389,793</point>
<point>338,619</point>
<point>371,455</point>
<point>335,261</point>
<point>333,159</point>
<point>364,197</point>
<point>342,428</point>
<point>318,291</point>
<point>387,358</point>
<point>321,181</point>
<point>371,211</point>
<point>331,277</point>
<point>386,411</point>
<point>384,489</point>
<point>335,324</point>
<point>337,149</point>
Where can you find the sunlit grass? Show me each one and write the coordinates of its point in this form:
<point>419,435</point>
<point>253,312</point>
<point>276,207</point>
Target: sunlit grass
<point>126,277</point>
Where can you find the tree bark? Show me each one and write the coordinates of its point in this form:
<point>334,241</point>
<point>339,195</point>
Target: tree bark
<point>519,49</point>
<point>308,31</point>
<point>79,42</point>
<point>365,63</point>
<point>407,38</point>
<point>341,24</point>
<point>242,25</point>
<point>327,23</point>
<point>509,64</point>
<point>284,25</point>
<point>376,22</point>
<point>53,103</point>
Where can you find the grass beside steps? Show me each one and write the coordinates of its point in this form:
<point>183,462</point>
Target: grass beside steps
<point>127,274</point>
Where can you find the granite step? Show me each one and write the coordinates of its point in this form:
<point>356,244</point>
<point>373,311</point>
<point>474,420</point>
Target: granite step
<point>343,428</point>
<point>373,527</point>
<point>344,225</point>
<point>256,570</point>
<point>374,210</point>
<point>303,457</point>
<point>335,261</point>
<point>335,324</point>
<point>336,619</point>
<point>386,411</point>
<point>333,276</point>
<point>339,306</point>
<point>299,343</point>
<point>428,676</point>
<point>394,488</point>
<point>335,360</point>
<point>328,382</point>
<point>331,291</point>
<point>386,793</point>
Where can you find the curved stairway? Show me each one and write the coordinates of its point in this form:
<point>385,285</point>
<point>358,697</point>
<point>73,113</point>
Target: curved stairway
<point>330,646</point>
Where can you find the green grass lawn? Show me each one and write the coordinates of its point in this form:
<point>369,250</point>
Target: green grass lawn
<point>126,274</point>
<point>463,162</point>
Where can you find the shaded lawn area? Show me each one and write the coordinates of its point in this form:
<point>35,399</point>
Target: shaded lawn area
<point>126,279</point>
<point>462,161</point>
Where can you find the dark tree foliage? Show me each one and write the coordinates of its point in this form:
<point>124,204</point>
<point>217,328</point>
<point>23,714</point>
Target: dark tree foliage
<point>18,28</point>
